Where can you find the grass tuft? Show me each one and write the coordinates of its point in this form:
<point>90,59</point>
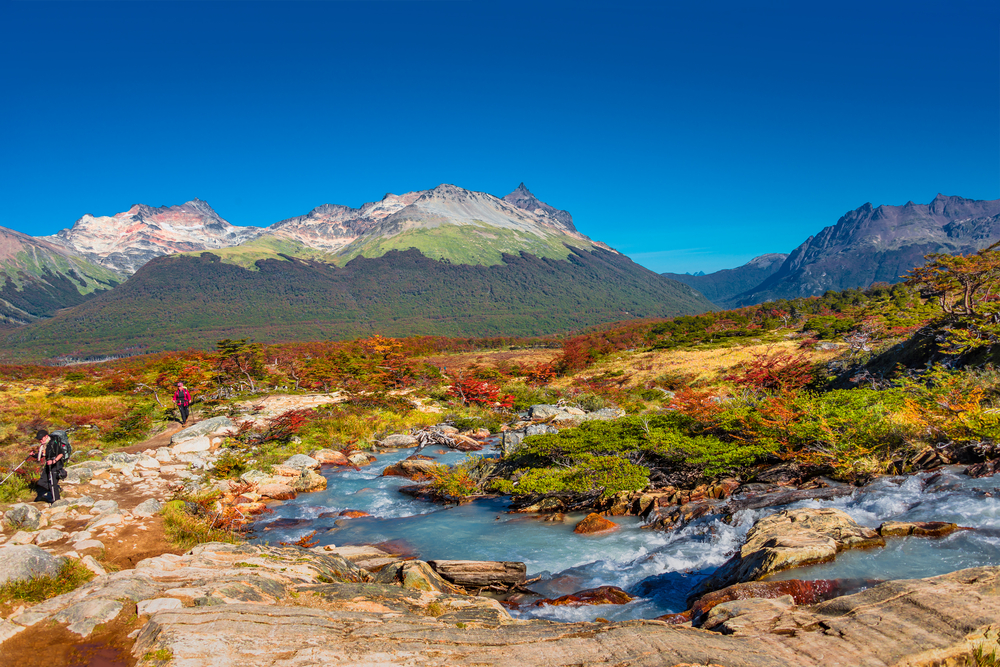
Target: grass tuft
<point>72,575</point>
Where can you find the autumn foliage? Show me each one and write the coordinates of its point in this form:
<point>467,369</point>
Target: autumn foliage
<point>472,391</point>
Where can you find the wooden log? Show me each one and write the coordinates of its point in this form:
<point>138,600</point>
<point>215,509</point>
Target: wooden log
<point>480,573</point>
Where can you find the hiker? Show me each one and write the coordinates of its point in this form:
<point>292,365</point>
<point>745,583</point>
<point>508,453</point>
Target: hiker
<point>182,399</point>
<point>50,455</point>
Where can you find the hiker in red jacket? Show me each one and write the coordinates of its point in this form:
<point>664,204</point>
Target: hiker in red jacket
<point>182,399</point>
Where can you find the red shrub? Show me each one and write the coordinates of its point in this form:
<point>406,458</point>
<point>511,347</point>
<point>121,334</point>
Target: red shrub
<point>479,392</point>
<point>778,371</point>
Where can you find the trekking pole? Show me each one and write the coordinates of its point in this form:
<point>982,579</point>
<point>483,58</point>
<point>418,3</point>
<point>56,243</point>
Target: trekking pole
<point>12,472</point>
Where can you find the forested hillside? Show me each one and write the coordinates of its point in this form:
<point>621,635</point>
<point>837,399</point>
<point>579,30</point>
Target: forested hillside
<point>181,301</point>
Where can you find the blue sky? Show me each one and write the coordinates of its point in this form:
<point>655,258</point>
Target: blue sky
<point>690,136</point>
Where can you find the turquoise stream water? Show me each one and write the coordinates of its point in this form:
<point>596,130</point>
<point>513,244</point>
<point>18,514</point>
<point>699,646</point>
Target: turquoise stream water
<point>659,568</point>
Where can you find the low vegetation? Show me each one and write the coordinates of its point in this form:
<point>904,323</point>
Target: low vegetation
<point>72,575</point>
<point>824,381</point>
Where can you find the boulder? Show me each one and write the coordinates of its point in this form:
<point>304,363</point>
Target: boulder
<point>510,441</point>
<point>590,596</point>
<point>353,514</point>
<point>77,476</point>
<point>277,491</point>
<point>464,443</point>
<point>49,536</point>
<point>86,545</point>
<point>330,456</point>
<point>415,574</point>
<point>191,446</point>
<point>23,562</point>
<point>301,461</point>
<point>253,477</point>
<point>91,564</point>
<point>801,592</point>
<point>147,462</point>
<point>102,506</point>
<point>417,468</point>
<point>742,616</point>
<point>605,414</point>
<point>787,539</point>
<point>595,523</point>
<point>206,427</point>
<point>107,519</point>
<point>360,459</point>
<point>542,411</point>
<point>918,528</point>
<point>399,441</point>
<point>147,508</point>
<point>308,481</point>
<point>22,516</point>
<point>120,460</point>
<point>539,429</point>
<point>22,537</point>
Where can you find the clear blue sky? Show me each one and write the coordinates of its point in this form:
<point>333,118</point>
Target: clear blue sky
<point>690,136</point>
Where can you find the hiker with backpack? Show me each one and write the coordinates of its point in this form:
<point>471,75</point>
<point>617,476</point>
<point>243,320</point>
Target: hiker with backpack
<point>53,451</point>
<point>182,399</point>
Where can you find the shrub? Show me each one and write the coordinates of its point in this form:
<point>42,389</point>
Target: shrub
<point>525,396</point>
<point>472,391</point>
<point>778,371</point>
<point>133,426</point>
<point>185,529</point>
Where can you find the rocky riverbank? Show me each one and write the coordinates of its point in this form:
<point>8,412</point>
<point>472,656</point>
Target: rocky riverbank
<point>362,605</point>
<point>309,608</point>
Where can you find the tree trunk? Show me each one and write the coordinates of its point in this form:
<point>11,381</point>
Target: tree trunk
<point>479,573</point>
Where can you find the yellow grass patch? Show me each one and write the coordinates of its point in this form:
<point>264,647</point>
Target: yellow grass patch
<point>462,361</point>
<point>705,366</point>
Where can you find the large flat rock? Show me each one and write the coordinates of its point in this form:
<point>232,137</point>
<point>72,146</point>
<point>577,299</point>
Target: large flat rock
<point>918,623</point>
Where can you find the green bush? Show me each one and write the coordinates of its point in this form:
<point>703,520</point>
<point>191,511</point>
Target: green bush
<point>525,396</point>
<point>609,455</point>
<point>16,489</point>
<point>133,426</point>
<point>829,326</point>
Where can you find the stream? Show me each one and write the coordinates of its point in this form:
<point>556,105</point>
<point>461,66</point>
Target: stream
<point>658,568</point>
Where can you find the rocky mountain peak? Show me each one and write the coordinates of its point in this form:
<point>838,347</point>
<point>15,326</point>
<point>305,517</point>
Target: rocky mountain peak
<point>524,200</point>
<point>125,241</point>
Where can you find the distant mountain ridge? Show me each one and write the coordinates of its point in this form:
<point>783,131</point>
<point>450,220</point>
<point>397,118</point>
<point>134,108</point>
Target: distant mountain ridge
<point>865,246</point>
<point>445,261</point>
<point>721,286</point>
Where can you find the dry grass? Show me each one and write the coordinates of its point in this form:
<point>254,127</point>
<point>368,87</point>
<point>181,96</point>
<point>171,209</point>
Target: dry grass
<point>705,366</point>
<point>461,361</point>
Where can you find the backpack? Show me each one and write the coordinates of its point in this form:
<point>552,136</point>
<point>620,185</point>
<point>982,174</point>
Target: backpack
<point>63,439</point>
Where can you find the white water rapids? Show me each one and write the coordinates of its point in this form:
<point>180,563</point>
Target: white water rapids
<point>659,568</point>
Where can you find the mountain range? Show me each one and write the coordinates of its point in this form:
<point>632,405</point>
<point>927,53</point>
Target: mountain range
<point>867,245</point>
<point>441,261</point>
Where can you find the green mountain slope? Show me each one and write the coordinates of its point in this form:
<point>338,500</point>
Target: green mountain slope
<point>37,278</point>
<point>181,301</point>
<point>478,243</point>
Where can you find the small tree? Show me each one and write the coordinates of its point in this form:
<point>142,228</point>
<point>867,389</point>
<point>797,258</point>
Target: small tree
<point>966,287</point>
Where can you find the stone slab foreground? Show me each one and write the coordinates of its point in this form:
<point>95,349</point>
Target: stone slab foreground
<point>917,623</point>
